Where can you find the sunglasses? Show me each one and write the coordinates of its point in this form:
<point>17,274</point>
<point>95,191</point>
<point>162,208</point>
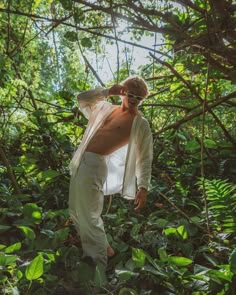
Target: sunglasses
<point>130,95</point>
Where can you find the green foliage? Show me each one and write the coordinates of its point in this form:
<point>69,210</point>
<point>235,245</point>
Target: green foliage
<point>35,269</point>
<point>222,203</point>
<point>138,256</point>
<point>66,4</point>
<point>42,68</point>
<point>232,261</point>
<point>71,36</point>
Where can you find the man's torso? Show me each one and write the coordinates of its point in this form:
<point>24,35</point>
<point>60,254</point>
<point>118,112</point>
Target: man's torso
<point>113,134</point>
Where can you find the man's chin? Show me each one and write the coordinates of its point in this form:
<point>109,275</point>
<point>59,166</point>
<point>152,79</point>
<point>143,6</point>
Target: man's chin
<point>132,105</point>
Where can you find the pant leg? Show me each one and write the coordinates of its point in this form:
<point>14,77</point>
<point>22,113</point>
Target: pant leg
<point>86,204</point>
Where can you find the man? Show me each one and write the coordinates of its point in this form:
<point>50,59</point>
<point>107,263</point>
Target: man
<point>115,151</point>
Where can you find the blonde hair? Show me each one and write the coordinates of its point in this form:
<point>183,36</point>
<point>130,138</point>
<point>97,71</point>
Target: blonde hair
<point>139,84</point>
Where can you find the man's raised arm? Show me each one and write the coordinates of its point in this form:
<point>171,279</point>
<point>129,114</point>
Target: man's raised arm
<point>88,99</point>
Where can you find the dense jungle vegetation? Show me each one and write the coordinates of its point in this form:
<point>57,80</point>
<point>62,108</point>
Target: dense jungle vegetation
<point>183,241</point>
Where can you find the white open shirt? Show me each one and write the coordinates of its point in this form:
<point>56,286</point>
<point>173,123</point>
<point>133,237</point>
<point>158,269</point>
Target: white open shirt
<point>129,164</point>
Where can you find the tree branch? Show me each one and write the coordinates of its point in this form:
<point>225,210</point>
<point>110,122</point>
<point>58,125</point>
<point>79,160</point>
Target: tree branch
<point>9,170</point>
<point>191,5</point>
<point>196,114</point>
<point>61,21</point>
<point>196,94</point>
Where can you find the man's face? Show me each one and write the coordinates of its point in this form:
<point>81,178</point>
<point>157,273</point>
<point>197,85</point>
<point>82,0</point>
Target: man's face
<point>132,99</point>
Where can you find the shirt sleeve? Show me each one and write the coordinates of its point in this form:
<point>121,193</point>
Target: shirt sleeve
<point>144,156</point>
<point>88,100</point>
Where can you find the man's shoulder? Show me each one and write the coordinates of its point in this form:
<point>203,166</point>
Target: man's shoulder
<point>142,121</point>
<point>104,104</point>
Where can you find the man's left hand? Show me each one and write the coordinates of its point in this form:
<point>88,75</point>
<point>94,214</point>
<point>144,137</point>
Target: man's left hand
<point>140,199</point>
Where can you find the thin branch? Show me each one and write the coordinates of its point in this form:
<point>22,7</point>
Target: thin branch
<point>20,43</point>
<point>89,65</point>
<point>109,65</point>
<point>196,114</point>
<point>159,92</point>
<point>8,26</point>
<point>140,20</point>
<point>182,212</point>
<point>92,69</point>
<point>165,106</point>
<point>56,53</point>
<point>27,89</point>
<point>9,170</point>
<point>127,61</point>
<point>34,16</point>
<point>191,5</point>
<point>157,12</point>
<point>117,44</point>
<point>202,151</point>
<point>196,94</point>
<point>160,77</point>
<point>58,22</point>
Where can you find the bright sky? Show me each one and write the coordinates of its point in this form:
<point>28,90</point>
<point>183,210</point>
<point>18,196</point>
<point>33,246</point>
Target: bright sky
<point>106,66</point>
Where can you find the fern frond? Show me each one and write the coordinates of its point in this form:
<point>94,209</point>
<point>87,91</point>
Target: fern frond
<point>221,197</point>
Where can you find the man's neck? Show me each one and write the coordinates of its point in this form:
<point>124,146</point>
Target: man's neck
<point>133,111</point>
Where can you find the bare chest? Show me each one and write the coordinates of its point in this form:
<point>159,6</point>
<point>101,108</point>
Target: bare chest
<point>113,134</point>
<point>118,123</point>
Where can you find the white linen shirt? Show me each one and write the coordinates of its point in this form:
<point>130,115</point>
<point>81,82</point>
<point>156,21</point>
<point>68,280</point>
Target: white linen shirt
<point>127,164</point>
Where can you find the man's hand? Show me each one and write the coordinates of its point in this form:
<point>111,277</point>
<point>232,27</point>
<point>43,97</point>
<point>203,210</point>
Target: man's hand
<point>117,89</point>
<point>140,199</point>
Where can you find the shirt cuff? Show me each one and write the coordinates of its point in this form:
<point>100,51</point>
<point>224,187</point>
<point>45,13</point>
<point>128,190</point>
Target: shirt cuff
<point>105,92</point>
<point>143,186</point>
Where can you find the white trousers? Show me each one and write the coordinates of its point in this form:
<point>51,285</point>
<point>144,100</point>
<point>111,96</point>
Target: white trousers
<point>86,203</point>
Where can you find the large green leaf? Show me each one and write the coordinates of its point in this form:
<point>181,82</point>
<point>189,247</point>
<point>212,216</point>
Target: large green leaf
<point>28,232</point>
<point>232,261</point>
<point>86,42</point>
<point>181,230</point>
<point>100,276</point>
<point>71,36</point>
<point>13,248</point>
<point>170,231</point>
<point>49,174</point>
<point>138,256</point>
<point>121,246</point>
<point>2,247</point>
<point>210,144</point>
<point>180,261</point>
<point>192,145</point>
<point>124,274</point>
<point>161,222</point>
<point>7,259</point>
<point>35,269</point>
<point>154,270</point>
<point>221,274</point>
<point>162,254</point>
<point>32,211</point>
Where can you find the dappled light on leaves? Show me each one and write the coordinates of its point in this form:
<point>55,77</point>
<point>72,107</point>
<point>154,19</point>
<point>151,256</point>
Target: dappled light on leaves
<point>184,239</point>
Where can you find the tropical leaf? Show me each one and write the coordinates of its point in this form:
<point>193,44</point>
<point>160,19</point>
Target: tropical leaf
<point>179,261</point>
<point>232,261</point>
<point>138,256</point>
<point>35,269</point>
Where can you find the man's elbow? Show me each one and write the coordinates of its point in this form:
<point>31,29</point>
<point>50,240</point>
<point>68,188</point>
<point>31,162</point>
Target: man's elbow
<point>79,96</point>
